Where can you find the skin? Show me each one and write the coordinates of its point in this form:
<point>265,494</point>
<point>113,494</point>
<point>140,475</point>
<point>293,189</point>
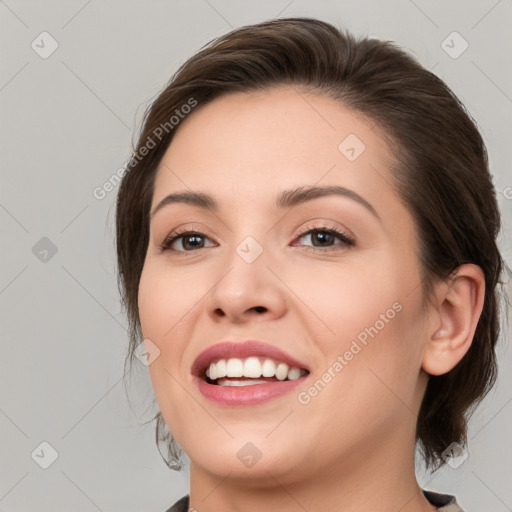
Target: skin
<point>352,446</point>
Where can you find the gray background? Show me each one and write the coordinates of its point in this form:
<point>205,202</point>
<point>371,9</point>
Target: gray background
<point>66,127</point>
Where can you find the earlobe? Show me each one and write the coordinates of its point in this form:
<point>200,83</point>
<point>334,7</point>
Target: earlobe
<point>459,306</point>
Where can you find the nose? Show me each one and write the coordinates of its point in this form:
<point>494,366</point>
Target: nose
<point>247,291</point>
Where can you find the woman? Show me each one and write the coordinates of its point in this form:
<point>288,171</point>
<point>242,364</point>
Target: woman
<point>306,242</point>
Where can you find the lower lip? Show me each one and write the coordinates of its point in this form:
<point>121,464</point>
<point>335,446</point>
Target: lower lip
<point>246,395</point>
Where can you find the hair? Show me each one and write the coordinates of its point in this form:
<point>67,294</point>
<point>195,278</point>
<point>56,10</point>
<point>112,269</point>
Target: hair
<point>441,174</point>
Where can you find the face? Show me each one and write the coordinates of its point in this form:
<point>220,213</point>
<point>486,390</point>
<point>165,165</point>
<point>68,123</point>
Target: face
<point>331,280</point>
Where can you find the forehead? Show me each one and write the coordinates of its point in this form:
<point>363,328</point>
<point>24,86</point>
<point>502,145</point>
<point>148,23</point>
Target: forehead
<point>252,145</point>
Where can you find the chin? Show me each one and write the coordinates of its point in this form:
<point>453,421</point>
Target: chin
<point>248,461</point>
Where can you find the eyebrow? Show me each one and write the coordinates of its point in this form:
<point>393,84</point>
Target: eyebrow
<point>287,198</point>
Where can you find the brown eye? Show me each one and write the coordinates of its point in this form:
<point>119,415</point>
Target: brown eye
<point>325,238</point>
<point>189,241</point>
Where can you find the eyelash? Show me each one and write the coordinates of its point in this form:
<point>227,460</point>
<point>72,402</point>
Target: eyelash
<point>347,240</point>
<point>332,230</point>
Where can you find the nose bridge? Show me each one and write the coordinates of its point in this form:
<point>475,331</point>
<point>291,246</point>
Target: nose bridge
<point>250,249</point>
<point>249,234</point>
<point>245,267</point>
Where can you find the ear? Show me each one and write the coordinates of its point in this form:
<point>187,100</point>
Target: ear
<point>454,317</point>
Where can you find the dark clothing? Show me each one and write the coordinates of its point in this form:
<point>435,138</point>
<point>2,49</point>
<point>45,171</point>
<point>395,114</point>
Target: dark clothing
<point>445,502</point>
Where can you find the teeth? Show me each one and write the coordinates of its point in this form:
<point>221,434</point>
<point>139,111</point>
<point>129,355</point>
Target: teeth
<point>268,368</point>
<point>218,370</point>
<point>282,371</point>
<point>234,368</point>
<point>221,369</point>
<point>293,373</point>
<point>213,372</point>
<point>252,368</point>
<point>240,383</point>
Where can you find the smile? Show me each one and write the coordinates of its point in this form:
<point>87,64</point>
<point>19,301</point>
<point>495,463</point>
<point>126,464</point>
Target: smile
<point>249,373</point>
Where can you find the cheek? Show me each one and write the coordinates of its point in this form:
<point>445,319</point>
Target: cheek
<point>370,375</point>
<point>164,299</point>
<point>367,313</point>
<point>382,357</point>
<point>345,298</point>
<point>162,305</point>
<point>166,302</point>
<point>151,300</point>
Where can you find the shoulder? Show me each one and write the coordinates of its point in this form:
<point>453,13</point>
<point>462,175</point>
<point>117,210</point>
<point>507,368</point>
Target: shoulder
<point>180,506</point>
<point>445,502</point>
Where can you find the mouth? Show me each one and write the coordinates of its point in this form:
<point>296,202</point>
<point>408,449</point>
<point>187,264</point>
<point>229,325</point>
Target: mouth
<point>246,373</point>
<point>250,371</point>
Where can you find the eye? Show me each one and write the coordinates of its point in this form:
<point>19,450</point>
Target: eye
<point>189,241</point>
<point>322,238</point>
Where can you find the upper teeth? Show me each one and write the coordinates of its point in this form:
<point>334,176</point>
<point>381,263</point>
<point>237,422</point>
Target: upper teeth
<point>252,367</point>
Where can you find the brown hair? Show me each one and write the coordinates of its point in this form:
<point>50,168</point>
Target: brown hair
<point>441,174</point>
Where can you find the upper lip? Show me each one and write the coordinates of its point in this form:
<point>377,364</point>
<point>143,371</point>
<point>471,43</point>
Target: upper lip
<point>241,349</point>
